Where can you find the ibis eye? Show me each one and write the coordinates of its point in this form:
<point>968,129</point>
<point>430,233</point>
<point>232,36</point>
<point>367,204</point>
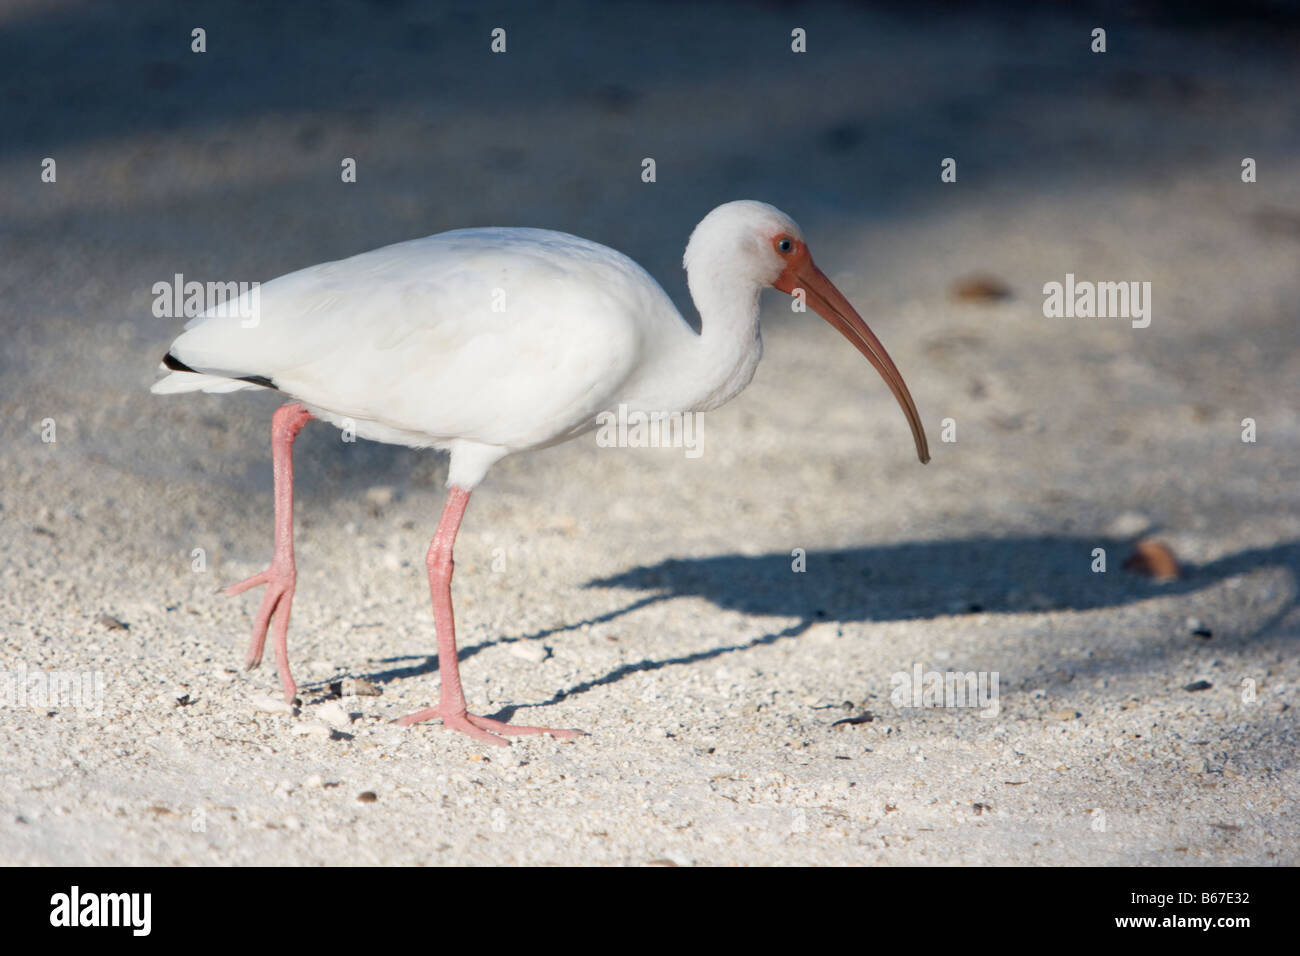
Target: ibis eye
<point>784,244</point>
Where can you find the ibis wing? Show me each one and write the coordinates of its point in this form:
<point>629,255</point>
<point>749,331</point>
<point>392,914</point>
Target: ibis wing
<point>500,336</point>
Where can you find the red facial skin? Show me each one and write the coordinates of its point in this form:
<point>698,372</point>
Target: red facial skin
<point>828,302</point>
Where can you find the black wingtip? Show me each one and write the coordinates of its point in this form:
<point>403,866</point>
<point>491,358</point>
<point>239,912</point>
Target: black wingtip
<point>175,364</point>
<point>259,380</point>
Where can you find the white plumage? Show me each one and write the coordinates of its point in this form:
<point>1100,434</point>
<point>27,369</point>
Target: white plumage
<point>485,342</point>
<point>482,341</point>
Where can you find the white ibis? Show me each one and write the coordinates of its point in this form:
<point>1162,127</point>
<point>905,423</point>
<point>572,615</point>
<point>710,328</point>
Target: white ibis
<point>486,342</point>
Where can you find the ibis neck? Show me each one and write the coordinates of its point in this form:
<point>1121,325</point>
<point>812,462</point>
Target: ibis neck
<point>725,354</point>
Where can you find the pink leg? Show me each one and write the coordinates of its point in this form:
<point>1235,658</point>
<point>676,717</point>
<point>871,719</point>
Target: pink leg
<point>281,576</point>
<point>451,707</point>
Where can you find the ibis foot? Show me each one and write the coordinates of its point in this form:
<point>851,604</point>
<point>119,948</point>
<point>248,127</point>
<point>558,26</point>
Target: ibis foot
<point>483,729</point>
<point>276,603</point>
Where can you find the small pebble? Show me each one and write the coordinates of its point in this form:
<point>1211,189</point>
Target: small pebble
<point>380,496</point>
<point>1198,685</point>
<point>865,717</point>
<point>530,651</point>
<point>980,288</point>
<point>272,705</point>
<point>355,687</point>
<point>367,796</point>
<point>313,729</point>
<point>332,713</point>
<point>1128,525</point>
<point>1154,559</point>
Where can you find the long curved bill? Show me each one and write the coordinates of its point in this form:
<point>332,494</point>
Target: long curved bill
<point>831,305</point>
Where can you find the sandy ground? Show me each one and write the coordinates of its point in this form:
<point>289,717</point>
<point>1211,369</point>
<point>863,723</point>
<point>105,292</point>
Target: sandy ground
<point>644,597</point>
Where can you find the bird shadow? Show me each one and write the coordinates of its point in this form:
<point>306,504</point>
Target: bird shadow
<point>896,582</point>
